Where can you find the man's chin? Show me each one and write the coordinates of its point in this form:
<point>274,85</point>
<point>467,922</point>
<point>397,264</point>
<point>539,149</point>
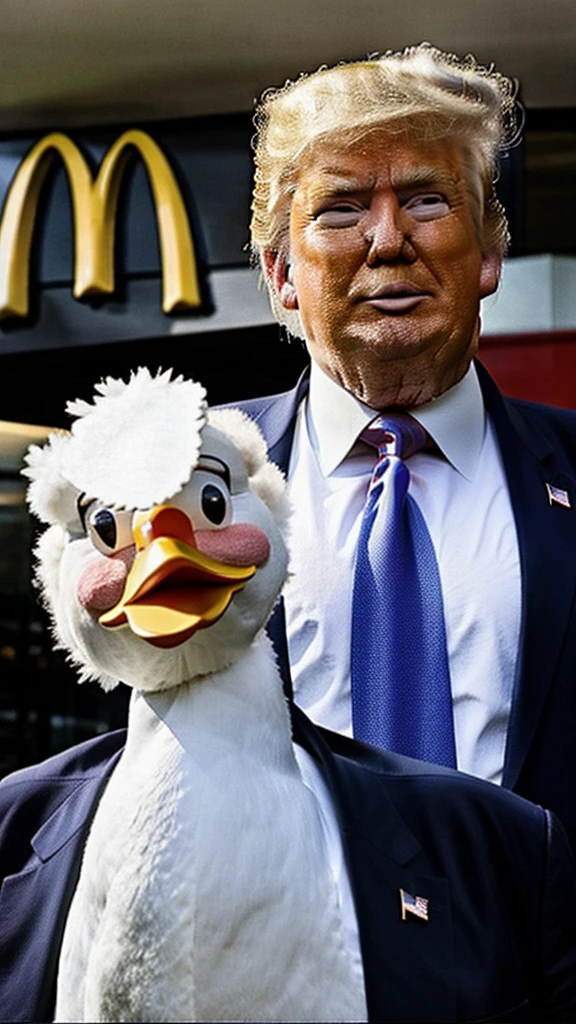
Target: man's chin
<point>386,376</point>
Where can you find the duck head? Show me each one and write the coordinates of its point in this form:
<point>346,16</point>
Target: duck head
<point>165,552</point>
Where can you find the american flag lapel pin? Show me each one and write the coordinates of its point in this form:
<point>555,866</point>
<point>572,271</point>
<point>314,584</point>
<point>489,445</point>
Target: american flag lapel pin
<point>556,496</point>
<point>416,905</point>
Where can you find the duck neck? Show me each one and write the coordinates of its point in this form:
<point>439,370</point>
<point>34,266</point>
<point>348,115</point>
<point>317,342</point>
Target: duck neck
<point>242,707</point>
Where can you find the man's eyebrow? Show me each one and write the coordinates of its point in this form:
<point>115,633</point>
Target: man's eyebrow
<point>424,177</point>
<point>333,182</point>
<point>218,467</point>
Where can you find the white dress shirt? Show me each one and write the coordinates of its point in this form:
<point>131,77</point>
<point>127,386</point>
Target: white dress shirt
<point>464,499</point>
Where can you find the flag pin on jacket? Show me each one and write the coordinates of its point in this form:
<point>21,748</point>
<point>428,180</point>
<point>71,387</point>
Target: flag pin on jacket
<point>556,496</point>
<point>416,905</point>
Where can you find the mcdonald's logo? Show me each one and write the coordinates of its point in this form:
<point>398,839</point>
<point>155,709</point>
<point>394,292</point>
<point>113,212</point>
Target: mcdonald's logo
<point>95,205</point>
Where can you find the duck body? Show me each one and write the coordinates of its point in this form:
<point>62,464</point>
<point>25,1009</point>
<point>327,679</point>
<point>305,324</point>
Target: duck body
<point>206,891</point>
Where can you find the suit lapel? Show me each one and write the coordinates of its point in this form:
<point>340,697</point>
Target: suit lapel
<point>276,629</point>
<point>383,857</point>
<point>34,903</point>
<point>546,535</point>
<point>278,421</point>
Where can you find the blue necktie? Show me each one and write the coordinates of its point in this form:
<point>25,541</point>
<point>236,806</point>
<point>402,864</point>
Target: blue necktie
<point>401,695</point>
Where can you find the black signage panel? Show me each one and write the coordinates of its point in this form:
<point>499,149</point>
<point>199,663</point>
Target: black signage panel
<point>211,161</point>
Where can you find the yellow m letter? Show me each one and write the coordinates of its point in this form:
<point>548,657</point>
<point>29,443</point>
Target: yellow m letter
<point>94,207</point>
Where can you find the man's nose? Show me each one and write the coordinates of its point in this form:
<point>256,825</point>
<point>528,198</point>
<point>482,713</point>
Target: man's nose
<point>387,233</point>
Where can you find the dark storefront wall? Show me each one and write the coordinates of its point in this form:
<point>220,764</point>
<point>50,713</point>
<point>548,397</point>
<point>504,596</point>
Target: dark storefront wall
<point>234,364</point>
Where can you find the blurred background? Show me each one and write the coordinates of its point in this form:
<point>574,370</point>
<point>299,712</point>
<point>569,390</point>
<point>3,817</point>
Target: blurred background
<point>187,72</point>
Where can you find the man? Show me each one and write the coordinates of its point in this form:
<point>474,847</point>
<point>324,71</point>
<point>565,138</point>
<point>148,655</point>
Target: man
<point>376,223</point>
<point>464,896</point>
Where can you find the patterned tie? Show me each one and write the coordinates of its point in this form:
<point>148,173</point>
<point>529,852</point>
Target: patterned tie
<point>401,697</point>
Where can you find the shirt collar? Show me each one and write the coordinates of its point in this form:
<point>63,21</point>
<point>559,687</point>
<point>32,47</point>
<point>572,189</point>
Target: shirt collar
<point>455,421</point>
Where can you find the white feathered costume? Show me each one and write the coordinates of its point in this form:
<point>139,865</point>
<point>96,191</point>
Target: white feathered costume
<point>205,891</point>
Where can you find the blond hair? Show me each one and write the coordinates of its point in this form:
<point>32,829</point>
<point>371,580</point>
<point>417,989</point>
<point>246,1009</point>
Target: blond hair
<point>420,91</point>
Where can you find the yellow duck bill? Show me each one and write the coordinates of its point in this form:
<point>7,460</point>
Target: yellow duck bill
<point>172,590</point>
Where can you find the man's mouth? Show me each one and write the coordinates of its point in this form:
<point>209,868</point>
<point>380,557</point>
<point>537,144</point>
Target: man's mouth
<point>397,297</point>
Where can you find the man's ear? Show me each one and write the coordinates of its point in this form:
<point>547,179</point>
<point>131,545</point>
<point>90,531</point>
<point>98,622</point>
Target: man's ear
<point>277,272</point>
<point>490,272</point>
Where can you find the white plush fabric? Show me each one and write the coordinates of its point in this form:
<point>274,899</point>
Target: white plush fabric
<point>117,450</point>
<point>266,479</point>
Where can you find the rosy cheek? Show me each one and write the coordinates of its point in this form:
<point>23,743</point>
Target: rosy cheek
<point>241,544</point>
<point>101,585</point>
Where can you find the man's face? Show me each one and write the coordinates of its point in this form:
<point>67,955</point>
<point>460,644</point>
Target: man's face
<point>386,267</point>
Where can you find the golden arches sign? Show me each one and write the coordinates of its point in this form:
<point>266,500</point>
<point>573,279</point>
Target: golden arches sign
<point>94,208</point>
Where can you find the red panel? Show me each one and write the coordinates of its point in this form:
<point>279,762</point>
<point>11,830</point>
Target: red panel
<point>540,367</point>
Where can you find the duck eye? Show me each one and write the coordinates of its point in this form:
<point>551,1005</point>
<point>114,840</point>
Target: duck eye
<point>105,526</point>
<point>213,504</point>
<point>110,530</point>
<point>206,500</point>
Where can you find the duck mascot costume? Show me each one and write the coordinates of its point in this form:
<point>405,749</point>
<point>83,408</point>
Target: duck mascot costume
<point>206,891</point>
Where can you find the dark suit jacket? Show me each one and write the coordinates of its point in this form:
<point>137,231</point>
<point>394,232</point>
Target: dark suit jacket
<point>500,942</point>
<point>538,446</point>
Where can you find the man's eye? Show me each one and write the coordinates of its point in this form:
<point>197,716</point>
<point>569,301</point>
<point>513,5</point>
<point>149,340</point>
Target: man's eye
<point>428,206</point>
<point>341,215</point>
